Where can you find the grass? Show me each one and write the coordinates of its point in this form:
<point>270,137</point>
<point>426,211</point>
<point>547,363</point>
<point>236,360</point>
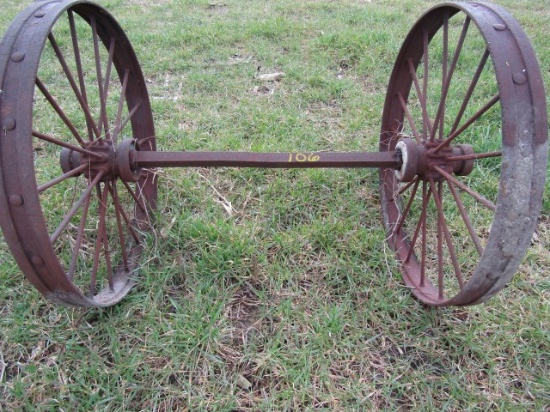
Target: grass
<point>272,290</point>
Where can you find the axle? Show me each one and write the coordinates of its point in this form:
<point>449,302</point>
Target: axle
<point>148,159</point>
<point>408,160</point>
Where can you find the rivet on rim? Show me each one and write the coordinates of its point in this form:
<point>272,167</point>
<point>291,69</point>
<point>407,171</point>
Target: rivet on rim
<point>16,200</point>
<point>40,14</point>
<point>519,77</point>
<point>9,123</point>
<point>18,56</point>
<point>499,27</point>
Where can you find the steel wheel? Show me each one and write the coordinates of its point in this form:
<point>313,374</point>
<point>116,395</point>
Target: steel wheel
<point>72,89</point>
<point>466,110</point>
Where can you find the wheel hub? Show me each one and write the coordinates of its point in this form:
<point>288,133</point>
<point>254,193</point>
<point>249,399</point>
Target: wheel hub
<point>105,163</point>
<point>111,161</point>
<point>425,160</point>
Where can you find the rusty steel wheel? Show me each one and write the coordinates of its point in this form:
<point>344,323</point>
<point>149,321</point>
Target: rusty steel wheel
<point>72,89</point>
<point>466,111</point>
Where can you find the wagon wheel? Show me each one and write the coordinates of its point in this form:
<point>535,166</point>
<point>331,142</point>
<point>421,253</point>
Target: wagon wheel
<point>72,89</point>
<point>466,111</point>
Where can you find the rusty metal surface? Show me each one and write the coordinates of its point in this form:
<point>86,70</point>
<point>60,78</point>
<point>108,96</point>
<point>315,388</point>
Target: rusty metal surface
<point>523,157</point>
<point>22,219</point>
<point>270,160</point>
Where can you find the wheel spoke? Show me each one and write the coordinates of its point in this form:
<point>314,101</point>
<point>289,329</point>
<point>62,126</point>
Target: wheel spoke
<point>424,234</point>
<point>62,178</point>
<point>79,237</point>
<point>107,252</point>
<point>447,75</point>
<point>409,117</point>
<point>468,123</point>
<point>70,77</point>
<point>80,72</point>
<point>58,142</point>
<point>99,240</point>
<point>440,115</point>
<point>476,156</point>
<point>406,187</point>
<point>465,218</point>
<point>109,68</point>
<point>121,237</point>
<point>440,284</point>
<point>122,99</point>
<point>59,111</point>
<point>421,222</point>
<point>424,103</point>
<point>470,90</point>
<point>97,57</point>
<point>405,213</point>
<point>103,114</point>
<point>125,216</point>
<point>129,117</point>
<point>136,198</point>
<point>426,124</point>
<point>462,186</point>
<point>448,239</point>
<point>74,209</point>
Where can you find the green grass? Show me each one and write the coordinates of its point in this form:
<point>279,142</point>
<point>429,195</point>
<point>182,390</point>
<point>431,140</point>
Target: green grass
<point>291,301</point>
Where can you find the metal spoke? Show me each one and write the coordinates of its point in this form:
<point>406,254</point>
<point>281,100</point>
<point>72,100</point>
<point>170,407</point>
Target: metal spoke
<point>409,117</point>
<point>462,186</point>
<point>424,103</point>
<point>101,120</point>
<point>109,67</point>
<point>99,240</point>
<point>59,111</point>
<point>447,75</point>
<point>136,198</point>
<point>476,156</point>
<point>426,124</point>
<point>448,239</point>
<point>74,209</point>
<point>440,285</point>
<point>440,115</point>
<point>405,213</point>
<point>125,217</point>
<point>121,237</point>
<point>79,237</point>
<point>129,117</point>
<point>70,78</point>
<point>424,234</point>
<point>122,99</point>
<point>468,123</point>
<point>470,90</point>
<point>62,178</point>
<point>80,72</point>
<point>421,222</point>
<point>103,114</point>
<point>106,250</point>
<point>465,217</point>
<point>58,142</point>
<point>406,187</point>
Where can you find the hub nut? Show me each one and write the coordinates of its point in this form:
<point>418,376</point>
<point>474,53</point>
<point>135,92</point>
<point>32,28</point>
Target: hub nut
<point>125,164</point>
<point>408,150</point>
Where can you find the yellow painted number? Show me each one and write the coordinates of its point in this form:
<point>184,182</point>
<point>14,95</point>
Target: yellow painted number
<point>303,157</point>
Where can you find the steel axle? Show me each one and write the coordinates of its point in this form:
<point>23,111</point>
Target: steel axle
<point>268,160</point>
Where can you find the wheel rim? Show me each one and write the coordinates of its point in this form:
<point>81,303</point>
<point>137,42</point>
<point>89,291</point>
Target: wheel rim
<point>72,90</point>
<point>459,227</point>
